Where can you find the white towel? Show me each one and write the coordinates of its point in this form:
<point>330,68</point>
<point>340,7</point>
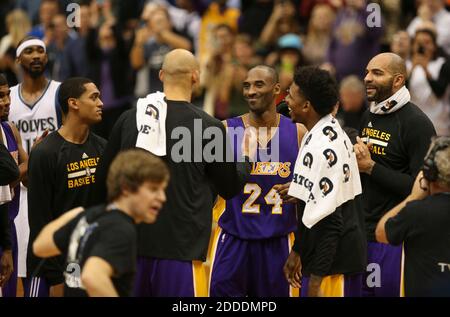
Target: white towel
<point>5,191</point>
<point>326,172</point>
<point>393,103</point>
<point>151,113</point>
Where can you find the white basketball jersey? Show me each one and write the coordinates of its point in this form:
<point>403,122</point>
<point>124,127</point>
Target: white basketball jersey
<point>31,121</point>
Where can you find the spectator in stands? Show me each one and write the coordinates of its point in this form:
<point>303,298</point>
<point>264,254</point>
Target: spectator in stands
<point>318,37</point>
<point>352,102</point>
<point>18,25</point>
<point>74,58</point>
<point>285,60</point>
<point>354,42</point>
<point>284,20</point>
<point>185,19</point>
<point>109,68</point>
<point>153,42</point>
<point>434,11</point>
<point>47,10</point>
<point>401,44</point>
<point>217,73</point>
<point>61,36</point>
<point>217,13</point>
<point>244,58</point>
<point>429,77</point>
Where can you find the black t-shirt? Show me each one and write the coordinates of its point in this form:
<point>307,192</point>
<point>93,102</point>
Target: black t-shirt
<point>424,227</point>
<point>336,244</point>
<point>60,177</point>
<point>110,235</point>
<point>400,141</point>
<point>183,228</point>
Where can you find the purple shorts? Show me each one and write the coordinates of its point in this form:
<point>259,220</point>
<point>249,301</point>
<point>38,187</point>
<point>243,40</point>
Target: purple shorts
<point>249,267</point>
<point>384,276</point>
<point>170,278</point>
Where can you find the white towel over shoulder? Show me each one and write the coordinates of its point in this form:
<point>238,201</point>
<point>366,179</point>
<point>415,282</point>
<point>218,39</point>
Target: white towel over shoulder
<point>151,113</point>
<point>5,191</point>
<point>326,172</point>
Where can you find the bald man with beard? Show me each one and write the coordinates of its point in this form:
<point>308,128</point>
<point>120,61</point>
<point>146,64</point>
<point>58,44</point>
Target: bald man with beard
<point>172,251</point>
<point>394,138</point>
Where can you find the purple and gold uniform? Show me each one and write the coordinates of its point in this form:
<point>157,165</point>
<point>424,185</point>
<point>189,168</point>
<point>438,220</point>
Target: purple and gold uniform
<point>9,290</point>
<point>255,232</point>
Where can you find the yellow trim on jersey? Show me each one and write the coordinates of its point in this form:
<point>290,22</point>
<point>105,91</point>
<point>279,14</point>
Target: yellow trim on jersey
<point>293,292</point>
<point>402,272</point>
<point>212,253</point>
<point>219,208</point>
<point>199,279</point>
<point>332,286</point>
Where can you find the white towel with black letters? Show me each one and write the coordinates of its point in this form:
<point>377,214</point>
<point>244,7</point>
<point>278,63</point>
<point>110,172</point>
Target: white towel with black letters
<point>326,172</point>
<point>5,191</point>
<point>151,113</point>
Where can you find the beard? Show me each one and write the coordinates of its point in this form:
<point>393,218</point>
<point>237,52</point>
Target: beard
<point>32,72</point>
<point>382,92</point>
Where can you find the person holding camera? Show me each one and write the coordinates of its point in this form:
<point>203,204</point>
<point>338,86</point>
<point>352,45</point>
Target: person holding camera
<point>421,223</point>
<point>429,78</point>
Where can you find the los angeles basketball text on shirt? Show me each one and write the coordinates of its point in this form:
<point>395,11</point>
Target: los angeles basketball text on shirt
<point>379,139</point>
<point>81,173</point>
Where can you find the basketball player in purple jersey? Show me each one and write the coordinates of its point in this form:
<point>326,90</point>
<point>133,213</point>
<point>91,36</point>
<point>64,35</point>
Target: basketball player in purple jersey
<point>254,234</point>
<point>13,143</point>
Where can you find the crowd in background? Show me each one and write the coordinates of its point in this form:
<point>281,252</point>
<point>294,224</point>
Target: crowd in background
<point>120,45</point>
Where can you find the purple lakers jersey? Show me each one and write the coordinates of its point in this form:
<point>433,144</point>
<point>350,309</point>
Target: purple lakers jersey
<point>258,211</point>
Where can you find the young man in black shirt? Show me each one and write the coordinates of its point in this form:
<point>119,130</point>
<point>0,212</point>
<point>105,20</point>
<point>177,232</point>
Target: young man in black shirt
<point>328,256</point>
<point>101,242</point>
<point>422,223</point>
<point>395,135</point>
<point>172,251</point>
<point>61,172</point>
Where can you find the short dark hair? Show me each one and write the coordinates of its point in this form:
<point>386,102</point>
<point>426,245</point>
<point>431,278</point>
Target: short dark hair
<point>319,87</point>
<point>271,70</point>
<point>429,32</point>
<point>71,88</point>
<point>3,80</point>
<point>131,168</point>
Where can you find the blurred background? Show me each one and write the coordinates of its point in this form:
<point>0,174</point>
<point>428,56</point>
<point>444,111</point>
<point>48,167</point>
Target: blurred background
<point>121,46</point>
